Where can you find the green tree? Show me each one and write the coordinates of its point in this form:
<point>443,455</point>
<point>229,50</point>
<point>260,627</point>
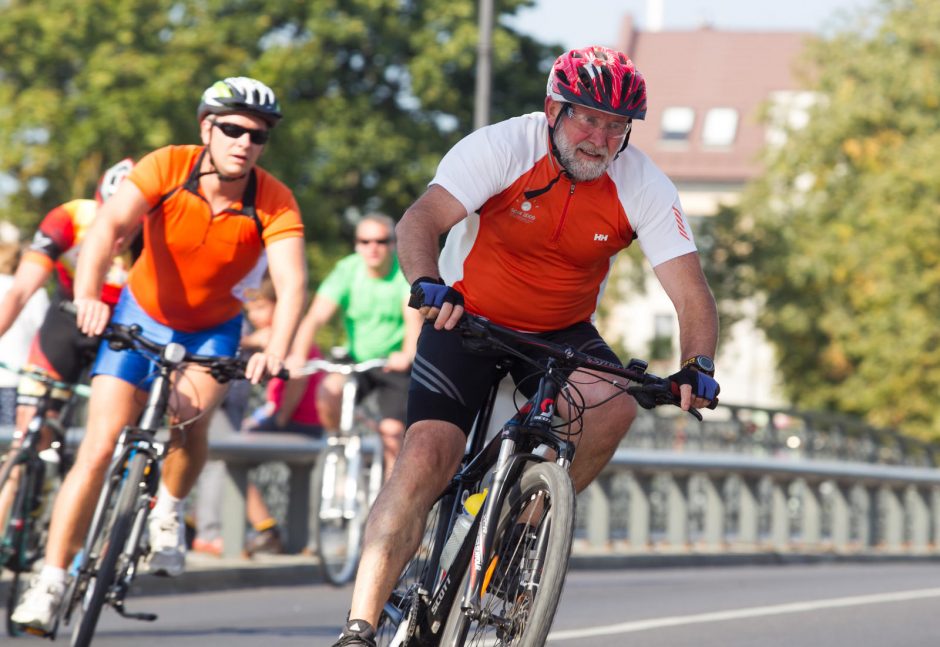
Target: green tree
<point>841,237</point>
<point>374,91</point>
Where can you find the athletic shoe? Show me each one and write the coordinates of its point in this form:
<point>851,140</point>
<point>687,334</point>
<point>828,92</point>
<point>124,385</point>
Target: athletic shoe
<point>356,633</point>
<point>39,605</point>
<point>167,550</point>
<point>267,541</point>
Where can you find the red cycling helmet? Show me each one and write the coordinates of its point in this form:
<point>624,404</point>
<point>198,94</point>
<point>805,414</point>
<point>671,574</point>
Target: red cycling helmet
<point>599,78</point>
<point>109,182</point>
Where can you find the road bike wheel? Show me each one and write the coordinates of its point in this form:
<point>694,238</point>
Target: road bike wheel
<point>341,488</point>
<point>399,621</point>
<point>17,586</point>
<point>108,549</point>
<point>525,572</point>
<point>19,544</point>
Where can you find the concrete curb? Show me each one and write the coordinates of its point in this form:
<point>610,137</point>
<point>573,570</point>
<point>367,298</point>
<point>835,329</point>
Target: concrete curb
<point>206,573</point>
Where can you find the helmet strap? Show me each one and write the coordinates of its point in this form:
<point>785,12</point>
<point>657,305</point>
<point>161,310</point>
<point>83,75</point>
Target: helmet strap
<point>626,140</point>
<point>551,139</point>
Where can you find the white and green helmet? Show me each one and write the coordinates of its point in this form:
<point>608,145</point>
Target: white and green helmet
<point>240,94</point>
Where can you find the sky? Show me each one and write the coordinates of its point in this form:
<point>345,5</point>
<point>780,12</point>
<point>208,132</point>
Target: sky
<point>577,23</point>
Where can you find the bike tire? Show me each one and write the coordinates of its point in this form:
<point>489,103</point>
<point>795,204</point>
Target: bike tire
<point>18,585</point>
<point>114,537</point>
<point>515,613</point>
<point>18,549</point>
<point>338,523</point>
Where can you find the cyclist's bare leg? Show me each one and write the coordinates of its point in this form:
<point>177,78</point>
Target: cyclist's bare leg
<point>114,403</point>
<point>196,394</point>
<point>330,400</point>
<point>604,426</point>
<point>429,457</point>
<point>392,431</point>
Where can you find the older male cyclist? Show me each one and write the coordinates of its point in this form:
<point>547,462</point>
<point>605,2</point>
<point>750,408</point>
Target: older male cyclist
<point>534,209</point>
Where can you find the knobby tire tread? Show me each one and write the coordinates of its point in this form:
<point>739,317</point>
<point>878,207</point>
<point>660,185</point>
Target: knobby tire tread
<point>553,479</point>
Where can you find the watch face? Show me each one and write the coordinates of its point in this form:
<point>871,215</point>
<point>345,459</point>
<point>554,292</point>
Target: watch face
<point>705,363</point>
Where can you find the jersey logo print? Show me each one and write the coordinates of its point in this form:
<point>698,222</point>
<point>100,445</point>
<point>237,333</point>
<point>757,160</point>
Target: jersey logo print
<point>41,240</point>
<point>601,237</point>
<point>680,223</point>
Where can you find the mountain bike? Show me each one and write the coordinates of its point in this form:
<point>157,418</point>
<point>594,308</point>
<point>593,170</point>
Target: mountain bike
<point>346,477</point>
<point>498,581</point>
<point>35,473</point>
<point>116,540</point>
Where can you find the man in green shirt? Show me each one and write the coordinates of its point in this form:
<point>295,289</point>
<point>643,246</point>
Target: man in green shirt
<point>372,294</point>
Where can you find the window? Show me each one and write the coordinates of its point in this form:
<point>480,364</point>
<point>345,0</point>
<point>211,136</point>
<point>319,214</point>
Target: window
<point>720,128</point>
<point>677,124</point>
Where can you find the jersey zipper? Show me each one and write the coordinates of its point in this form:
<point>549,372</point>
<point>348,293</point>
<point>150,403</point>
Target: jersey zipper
<point>564,212</point>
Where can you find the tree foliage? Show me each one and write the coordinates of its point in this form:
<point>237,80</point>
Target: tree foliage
<point>374,91</point>
<point>841,237</point>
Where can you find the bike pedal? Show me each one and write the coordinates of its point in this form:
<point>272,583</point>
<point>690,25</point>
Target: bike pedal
<point>124,613</point>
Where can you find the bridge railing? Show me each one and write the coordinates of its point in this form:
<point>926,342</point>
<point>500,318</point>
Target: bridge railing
<point>746,479</point>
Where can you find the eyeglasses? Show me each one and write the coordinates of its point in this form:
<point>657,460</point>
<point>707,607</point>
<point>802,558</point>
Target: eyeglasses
<point>233,131</point>
<point>371,241</point>
<point>588,124</point>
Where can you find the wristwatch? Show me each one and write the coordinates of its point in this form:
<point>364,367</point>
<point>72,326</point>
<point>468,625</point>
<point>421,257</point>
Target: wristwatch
<point>702,364</point>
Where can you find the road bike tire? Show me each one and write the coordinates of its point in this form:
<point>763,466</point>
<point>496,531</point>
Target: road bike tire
<point>18,545</point>
<point>338,527</point>
<point>519,601</point>
<point>110,547</point>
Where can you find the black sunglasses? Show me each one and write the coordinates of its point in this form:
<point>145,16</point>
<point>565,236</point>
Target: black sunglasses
<point>234,131</point>
<point>377,241</point>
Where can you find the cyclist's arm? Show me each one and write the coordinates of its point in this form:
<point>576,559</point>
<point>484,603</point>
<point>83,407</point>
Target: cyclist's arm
<point>321,311</point>
<point>117,219</point>
<point>288,273</point>
<point>29,277</point>
<point>683,280</point>
<point>418,233</point>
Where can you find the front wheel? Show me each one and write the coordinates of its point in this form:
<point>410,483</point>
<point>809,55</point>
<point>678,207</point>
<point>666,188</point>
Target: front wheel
<point>525,572</point>
<point>107,552</point>
<point>341,494</point>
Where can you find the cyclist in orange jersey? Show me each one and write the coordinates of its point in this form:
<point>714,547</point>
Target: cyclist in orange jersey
<point>534,208</point>
<point>213,218</point>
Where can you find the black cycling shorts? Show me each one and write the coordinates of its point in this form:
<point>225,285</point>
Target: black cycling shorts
<point>59,349</point>
<point>387,391</point>
<point>450,382</point>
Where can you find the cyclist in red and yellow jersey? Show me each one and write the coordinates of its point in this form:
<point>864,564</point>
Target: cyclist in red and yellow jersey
<point>210,217</point>
<point>59,348</point>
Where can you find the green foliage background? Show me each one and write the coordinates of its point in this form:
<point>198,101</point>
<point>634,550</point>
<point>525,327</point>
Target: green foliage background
<point>841,238</point>
<point>374,92</point>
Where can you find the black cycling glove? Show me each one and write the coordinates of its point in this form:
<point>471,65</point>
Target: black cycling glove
<point>433,292</point>
<point>703,386</point>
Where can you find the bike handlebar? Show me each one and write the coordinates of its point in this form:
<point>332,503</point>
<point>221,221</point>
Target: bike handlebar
<point>344,368</point>
<point>82,390</point>
<point>650,390</point>
<point>223,369</point>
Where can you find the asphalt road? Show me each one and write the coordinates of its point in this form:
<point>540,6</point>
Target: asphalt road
<point>826,605</point>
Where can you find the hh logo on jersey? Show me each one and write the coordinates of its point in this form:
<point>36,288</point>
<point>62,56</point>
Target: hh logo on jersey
<point>600,237</point>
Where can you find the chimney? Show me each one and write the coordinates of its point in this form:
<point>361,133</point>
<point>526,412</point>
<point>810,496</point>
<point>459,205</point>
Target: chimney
<point>654,15</point>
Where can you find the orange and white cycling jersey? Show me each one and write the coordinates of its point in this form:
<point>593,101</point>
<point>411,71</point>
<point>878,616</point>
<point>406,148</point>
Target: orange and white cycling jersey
<point>536,259</point>
<point>193,261</point>
<point>58,241</point>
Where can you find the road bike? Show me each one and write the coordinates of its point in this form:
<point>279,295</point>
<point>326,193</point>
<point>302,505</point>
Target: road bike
<point>347,475</point>
<point>497,580</point>
<point>34,467</point>
<point>116,540</point>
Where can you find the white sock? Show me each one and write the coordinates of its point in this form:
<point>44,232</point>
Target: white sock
<point>52,574</point>
<point>167,504</point>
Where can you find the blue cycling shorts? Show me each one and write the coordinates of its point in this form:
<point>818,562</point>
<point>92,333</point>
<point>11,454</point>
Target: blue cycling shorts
<point>137,368</point>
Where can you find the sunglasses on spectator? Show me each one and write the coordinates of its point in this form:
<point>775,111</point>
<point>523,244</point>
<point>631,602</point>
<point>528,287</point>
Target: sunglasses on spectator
<point>370,241</point>
<point>234,131</point>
